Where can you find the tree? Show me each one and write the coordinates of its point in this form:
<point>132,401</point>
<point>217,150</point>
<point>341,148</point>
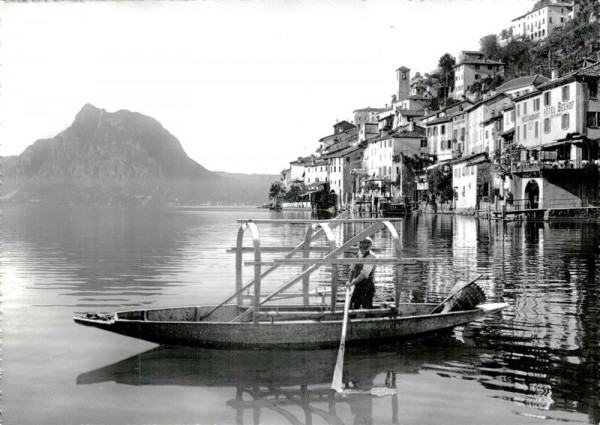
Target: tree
<point>277,190</point>
<point>440,184</point>
<point>446,74</point>
<point>295,193</point>
<point>489,47</point>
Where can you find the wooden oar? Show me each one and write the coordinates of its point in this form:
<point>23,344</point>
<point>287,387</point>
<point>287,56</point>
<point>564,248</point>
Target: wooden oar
<point>336,384</point>
<point>455,289</point>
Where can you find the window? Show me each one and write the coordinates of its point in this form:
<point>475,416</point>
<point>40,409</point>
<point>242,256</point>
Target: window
<point>593,86</point>
<point>477,76</point>
<point>524,131</point>
<point>564,121</point>
<point>565,93</point>
<point>517,134</point>
<point>536,105</point>
<point>423,143</point>
<point>547,125</point>
<point>593,119</point>
<point>443,129</point>
<point>472,171</point>
<point>547,98</point>
<point>489,67</point>
<point>449,144</point>
<point>524,108</point>
<point>518,110</point>
<point>512,115</point>
<point>550,19</point>
<point>562,19</point>
<point>536,129</point>
<point>477,66</point>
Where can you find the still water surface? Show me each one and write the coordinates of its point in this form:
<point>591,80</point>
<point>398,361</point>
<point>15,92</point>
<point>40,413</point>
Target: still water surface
<point>537,363</point>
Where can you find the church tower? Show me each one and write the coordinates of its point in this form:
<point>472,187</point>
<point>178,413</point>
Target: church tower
<point>403,76</point>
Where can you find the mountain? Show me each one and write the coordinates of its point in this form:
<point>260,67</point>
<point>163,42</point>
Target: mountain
<point>120,158</point>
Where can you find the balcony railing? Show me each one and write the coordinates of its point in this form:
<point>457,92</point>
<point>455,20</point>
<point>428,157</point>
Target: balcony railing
<point>536,166</point>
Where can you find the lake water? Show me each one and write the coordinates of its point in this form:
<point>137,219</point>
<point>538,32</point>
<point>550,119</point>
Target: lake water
<point>538,363</point>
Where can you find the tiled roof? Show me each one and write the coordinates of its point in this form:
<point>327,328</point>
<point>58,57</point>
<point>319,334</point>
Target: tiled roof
<point>516,83</point>
<point>478,62</point>
<point>369,109</point>
<point>411,112</point>
<point>590,71</point>
<point>410,134</point>
<point>439,120</point>
<point>541,7</point>
<point>449,107</point>
<point>481,102</point>
<point>491,119</point>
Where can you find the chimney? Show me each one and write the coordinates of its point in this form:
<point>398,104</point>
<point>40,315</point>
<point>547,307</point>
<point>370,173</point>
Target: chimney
<point>554,74</point>
<point>411,126</point>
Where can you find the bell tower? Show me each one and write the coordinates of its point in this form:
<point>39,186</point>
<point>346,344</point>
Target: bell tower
<point>403,76</point>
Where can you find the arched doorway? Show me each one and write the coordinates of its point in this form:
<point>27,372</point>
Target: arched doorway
<point>532,195</point>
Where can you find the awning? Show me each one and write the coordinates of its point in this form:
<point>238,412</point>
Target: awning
<point>380,179</point>
<point>560,143</point>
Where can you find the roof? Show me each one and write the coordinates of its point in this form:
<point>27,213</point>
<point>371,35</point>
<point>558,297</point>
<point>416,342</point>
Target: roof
<point>481,102</point>
<point>471,159</point>
<point>439,120</point>
<point>411,112</point>
<point>541,7</point>
<point>369,109</point>
<point>478,62</point>
<point>516,83</point>
<point>588,71</point>
<point>493,118</point>
<point>448,107</point>
<point>342,152</point>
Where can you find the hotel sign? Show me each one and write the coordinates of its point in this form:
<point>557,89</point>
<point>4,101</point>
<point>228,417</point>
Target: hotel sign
<point>557,110</point>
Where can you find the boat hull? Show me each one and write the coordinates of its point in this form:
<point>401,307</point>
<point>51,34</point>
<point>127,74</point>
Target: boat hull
<point>296,334</point>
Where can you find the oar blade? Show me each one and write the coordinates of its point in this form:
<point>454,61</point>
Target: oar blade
<point>336,383</point>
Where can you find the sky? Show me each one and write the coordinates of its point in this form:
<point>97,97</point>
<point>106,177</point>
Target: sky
<point>245,86</point>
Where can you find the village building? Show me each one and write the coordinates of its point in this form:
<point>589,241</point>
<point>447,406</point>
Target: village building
<point>367,115</point>
<point>340,130</point>
<point>540,22</point>
<point>522,85</point>
<point>459,132</point>
<point>427,88</point>
<point>439,138</point>
<point>471,68</point>
<point>384,160</point>
<point>557,128</point>
<point>477,114</point>
<point>472,182</point>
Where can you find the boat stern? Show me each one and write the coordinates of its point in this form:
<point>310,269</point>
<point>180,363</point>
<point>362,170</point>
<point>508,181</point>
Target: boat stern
<point>97,320</point>
<point>491,308</point>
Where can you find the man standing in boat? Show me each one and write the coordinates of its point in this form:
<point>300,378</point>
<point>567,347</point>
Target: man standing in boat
<point>362,276</point>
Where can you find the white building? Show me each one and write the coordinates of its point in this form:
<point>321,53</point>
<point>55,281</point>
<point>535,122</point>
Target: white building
<point>539,23</point>
<point>522,85</point>
<point>473,67</point>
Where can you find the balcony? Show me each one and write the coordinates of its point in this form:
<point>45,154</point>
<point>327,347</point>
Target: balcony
<point>533,166</point>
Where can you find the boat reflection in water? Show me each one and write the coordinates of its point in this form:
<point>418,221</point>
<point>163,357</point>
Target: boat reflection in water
<point>285,381</point>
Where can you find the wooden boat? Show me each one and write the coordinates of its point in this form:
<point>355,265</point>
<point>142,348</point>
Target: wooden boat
<point>394,209</point>
<point>263,325</point>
